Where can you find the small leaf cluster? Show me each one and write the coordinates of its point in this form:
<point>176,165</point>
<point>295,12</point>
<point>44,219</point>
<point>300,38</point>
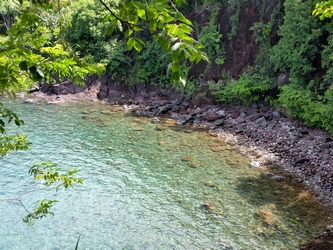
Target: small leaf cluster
<point>49,173</point>
<point>41,211</point>
<point>313,109</point>
<point>299,41</point>
<point>210,37</point>
<point>247,89</point>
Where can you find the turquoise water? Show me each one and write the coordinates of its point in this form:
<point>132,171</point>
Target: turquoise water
<point>144,187</point>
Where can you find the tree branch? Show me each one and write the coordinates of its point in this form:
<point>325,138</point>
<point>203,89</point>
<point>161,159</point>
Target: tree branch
<point>119,19</point>
<point>173,5</point>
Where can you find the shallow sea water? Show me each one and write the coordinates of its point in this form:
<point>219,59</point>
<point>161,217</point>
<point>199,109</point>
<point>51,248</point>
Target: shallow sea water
<point>146,186</point>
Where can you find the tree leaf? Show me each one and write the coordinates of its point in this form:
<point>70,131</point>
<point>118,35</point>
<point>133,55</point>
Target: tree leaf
<point>137,46</point>
<point>130,43</point>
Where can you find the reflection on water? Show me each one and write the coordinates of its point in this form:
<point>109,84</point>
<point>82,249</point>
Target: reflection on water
<point>148,185</point>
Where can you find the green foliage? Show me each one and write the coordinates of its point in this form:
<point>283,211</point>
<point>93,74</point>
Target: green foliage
<point>313,109</point>
<point>42,210</point>
<point>13,142</point>
<point>167,26</point>
<point>8,11</point>
<point>247,89</point>
<point>9,142</point>
<point>323,9</point>
<point>234,19</point>
<point>150,66</point>
<point>210,37</point>
<point>299,41</point>
<point>49,173</point>
<point>261,32</point>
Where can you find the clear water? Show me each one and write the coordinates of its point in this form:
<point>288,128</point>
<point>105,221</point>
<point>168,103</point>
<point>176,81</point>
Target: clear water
<point>144,186</point>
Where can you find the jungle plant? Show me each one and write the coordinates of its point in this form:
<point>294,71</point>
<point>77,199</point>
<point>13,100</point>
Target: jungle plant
<point>210,37</point>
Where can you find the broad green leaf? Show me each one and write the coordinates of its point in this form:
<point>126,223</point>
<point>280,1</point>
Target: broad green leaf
<point>140,41</point>
<point>106,18</point>
<point>137,28</point>
<point>180,17</point>
<point>127,5</point>
<point>185,28</point>
<point>137,46</point>
<point>138,5</point>
<point>128,32</point>
<point>172,29</point>
<point>181,54</point>
<point>164,43</point>
<point>197,60</point>
<point>40,72</point>
<point>175,67</point>
<point>182,80</point>
<point>176,46</point>
<point>141,14</point>
<point>174,57</point>
<point>130,43</point>
<point>153,25</point>
<point>168,18</point>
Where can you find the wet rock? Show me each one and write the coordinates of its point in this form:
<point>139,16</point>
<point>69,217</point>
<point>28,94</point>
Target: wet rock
<point>276,115</point>
<point>325,146</point>
<point>183,119</point>
<point>211,117</point>
<point>301,160</point>
<point>241,120</point>
<point>261,121</point>
<point>175,102</point>
<point>252,111</point>
<point>88,117</point>
<point>30,101</point>
<point>221,113</point>
<point>255,116</point>
<point>218,122</point>
<point>278,178</point>
<point>175,109</point>
<point>137,129</point>
<point>328,139</point>
<point>304,131</point>
<point>197,111</point>
<point>193,164</point>
<point>162,109</point>
<point>321,242</point>
<point>187,158</point>
<point>207,205</point>
<point>266,216</point>
<point>186,104</point>
<point>160,128</point>
<point>209,184</point>
<point>235,114</point>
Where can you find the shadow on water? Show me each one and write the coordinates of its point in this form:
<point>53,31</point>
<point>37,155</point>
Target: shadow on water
<point>279,197</point>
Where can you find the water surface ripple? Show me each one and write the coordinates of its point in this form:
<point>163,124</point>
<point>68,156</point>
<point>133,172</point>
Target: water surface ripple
<point>146,186</point>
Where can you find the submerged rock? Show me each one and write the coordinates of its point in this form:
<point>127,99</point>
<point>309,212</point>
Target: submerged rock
<point>137,129</point>
<point>208,206</point>
<point>266,216</point>
<point>160,128</point>
<point>187,158</point>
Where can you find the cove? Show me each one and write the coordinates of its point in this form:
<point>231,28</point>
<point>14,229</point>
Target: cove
<point>146,185</point>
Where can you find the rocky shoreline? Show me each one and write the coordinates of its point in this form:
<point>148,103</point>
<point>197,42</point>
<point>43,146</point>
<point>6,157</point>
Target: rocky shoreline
<point>269,138</point>
<point>305,152</point>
